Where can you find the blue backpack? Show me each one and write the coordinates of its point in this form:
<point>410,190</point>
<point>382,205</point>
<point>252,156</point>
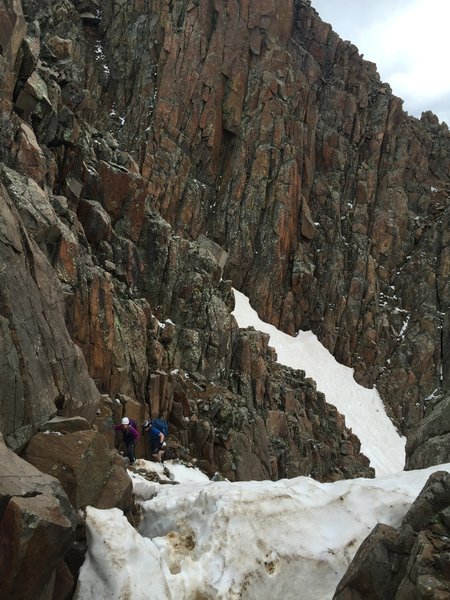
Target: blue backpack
<point>161,425</point>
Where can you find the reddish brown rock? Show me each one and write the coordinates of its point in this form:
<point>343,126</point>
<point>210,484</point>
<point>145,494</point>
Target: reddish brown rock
<point>35,334</point>
<point>64,582</point>
<point>85,467</point>
<point>35,509</point>
<point>29,157</point>
<point>297,159</point>
<point>95,220</point>
<point>284,167</point>
<point>122,194</point>
<point>62,49</point>
<point>99,325</point>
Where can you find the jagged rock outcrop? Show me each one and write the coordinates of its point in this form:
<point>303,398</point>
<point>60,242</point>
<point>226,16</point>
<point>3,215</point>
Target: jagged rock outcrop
<point>272,423</point>
<point>259,127</point>
<point>85,199</point>
<point>140,301</point>
<point>411,561</point>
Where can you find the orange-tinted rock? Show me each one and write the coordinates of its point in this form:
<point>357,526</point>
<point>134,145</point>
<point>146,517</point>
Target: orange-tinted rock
<point>122,194</point>
<point>29,156</point>
<point>287,149</point>
<point>32,304</point>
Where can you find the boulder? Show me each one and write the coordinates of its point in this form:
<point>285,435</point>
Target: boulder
<point>84,465</point>
<point>65,425</point>
<point>37,527</point>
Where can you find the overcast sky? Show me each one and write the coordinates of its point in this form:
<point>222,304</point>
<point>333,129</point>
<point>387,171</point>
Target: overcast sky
<point>408,40</point>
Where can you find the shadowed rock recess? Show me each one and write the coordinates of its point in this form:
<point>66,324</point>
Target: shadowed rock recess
<point>153,155</point>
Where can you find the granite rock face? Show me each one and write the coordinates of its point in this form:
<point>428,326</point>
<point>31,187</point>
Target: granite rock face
<point>243,143</point>
<point>41,369</point>
<point>153,156</point>
<point>285,157</point>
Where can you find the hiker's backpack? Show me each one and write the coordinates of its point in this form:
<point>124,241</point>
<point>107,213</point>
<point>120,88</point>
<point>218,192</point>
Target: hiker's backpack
<point>161,425</point>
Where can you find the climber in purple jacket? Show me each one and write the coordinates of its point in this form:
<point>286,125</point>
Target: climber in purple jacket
<point>130,436</point>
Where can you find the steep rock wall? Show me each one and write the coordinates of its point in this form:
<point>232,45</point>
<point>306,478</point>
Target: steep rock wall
<point>142,309</point>
<point>150,150</point>
<point>253,123</point>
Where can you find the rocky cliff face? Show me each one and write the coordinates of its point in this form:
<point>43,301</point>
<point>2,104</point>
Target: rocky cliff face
<point>430,442</point>
<point>155,154</point>
<point>255,125</point>
<point>144,301</point>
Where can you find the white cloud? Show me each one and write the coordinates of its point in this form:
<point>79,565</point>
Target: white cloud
<point>408,41</point>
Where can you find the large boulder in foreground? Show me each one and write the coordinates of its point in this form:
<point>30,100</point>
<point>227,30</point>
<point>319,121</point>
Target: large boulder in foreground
<point>37,527</point>
<point>412,561</point>
<point>90,473</point>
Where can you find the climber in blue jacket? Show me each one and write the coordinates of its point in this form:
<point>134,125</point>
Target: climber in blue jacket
<point>157,431</point>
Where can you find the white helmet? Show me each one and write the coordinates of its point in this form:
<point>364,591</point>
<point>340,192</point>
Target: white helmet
<point>125,421</point>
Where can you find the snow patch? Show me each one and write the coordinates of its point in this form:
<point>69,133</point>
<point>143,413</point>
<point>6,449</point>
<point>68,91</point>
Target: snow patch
<point>244,540</point>
<point>363,408</point>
